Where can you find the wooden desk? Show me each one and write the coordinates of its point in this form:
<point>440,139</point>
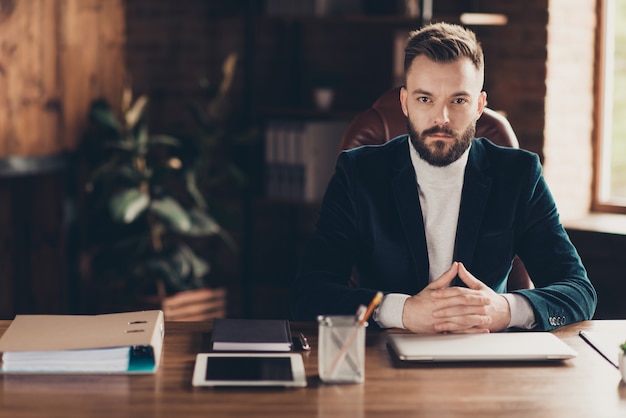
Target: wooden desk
<point>587,386</point>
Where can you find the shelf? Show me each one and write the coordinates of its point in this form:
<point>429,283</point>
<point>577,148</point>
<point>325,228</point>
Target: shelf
<point>308,113</point>
<point>382,20</point>
<point>345,19</point>
<point>29,165</point>
<point>265,203</point>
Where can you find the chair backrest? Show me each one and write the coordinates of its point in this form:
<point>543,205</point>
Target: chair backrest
<point>385,121</point>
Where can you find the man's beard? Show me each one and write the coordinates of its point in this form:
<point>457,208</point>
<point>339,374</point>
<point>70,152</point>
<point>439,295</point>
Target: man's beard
<point>436,154</point>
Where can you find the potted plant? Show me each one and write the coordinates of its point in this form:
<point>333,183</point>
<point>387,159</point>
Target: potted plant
<point>146,210</point>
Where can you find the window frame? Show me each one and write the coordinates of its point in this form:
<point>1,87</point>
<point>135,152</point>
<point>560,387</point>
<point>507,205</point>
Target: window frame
<point>601,158</point>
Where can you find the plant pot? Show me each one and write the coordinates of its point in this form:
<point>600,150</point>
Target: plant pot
<point>190,305</point>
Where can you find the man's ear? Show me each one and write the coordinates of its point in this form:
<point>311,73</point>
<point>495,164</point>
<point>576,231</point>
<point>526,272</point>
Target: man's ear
<point>404,95</point>
<point>482,103</point>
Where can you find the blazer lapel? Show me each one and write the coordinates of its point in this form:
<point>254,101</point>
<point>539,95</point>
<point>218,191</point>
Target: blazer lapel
<point>474,197</point>
<point>404,186</point>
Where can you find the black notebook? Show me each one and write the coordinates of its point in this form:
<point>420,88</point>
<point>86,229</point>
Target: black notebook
<point>251,335</point>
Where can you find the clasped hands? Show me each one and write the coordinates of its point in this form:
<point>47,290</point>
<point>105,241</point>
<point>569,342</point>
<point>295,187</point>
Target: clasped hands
<point>441,308</point>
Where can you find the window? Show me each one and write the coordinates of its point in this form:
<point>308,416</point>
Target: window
<point>610,161</point>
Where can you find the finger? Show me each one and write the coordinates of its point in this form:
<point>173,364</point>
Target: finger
<point>470,331</point>
<point>459,311</point>
<point>460,323</point>
<point>468,278</point>
<point>455,295</point>
<point>446,278</point>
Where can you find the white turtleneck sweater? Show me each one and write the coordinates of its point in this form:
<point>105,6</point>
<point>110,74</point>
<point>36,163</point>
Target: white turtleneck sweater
<point>439,190</point>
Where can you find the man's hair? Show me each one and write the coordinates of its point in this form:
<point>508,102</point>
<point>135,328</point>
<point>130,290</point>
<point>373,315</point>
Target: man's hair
<point>443,43</point>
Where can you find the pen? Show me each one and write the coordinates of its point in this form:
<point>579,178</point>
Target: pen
<point>378,297</point>
<point>585,337</point>
<point>304,343</point>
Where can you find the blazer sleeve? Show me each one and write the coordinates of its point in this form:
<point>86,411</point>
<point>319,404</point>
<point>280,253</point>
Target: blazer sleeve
<point>322,285</point>
<point>563,294</point>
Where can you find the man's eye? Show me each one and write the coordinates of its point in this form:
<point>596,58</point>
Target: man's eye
<point>460,100</point>
<point>423,99</point>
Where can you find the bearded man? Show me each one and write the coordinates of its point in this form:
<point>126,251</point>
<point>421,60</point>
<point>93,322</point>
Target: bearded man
<point>434,219</point>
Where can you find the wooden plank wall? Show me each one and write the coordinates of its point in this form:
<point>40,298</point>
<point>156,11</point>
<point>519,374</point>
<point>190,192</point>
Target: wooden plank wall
<point>56,56</point>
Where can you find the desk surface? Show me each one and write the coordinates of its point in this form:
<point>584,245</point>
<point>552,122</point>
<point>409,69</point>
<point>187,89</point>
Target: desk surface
<point>587,386</point>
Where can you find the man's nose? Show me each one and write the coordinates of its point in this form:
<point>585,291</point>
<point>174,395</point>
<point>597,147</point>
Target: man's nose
<point>441,115</point>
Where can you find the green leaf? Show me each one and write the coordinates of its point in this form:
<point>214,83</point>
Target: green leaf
<point>121,145</point>
<point>134,114</point>
<point>199,267</point>
<point>191,184</point>
<point>197,112</point>
<point>180,267</point>
<point>142,139</point>
<point>165,140</point>
<point>164,266</point>
<point>102,114</point>
<point>103,170</point>
<point>128,204</point>
<point>202,224</point>
<point>111,175</point>
<point>228,240</point>
<point>172,213</point>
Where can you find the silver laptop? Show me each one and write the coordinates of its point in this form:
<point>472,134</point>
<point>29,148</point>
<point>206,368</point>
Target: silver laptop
<point>507,346</point>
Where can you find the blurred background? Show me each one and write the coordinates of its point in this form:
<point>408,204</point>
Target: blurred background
<point>173,154</point>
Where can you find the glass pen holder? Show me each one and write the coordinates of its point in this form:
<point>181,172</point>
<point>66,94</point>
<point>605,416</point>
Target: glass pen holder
<point>341,349</point>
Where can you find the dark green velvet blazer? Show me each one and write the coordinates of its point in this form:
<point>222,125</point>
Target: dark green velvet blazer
<point>370,228</point>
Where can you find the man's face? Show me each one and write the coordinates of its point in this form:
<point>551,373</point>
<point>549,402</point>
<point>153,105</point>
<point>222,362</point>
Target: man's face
<point>442,103</point>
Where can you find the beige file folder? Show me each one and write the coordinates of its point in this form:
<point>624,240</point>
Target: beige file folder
<point>84,343</point>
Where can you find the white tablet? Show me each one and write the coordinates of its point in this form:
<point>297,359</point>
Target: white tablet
<point>249,369</point>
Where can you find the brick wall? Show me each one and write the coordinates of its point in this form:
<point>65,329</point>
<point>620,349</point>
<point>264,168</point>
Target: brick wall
<point>515,63</point>
<point>538,70</point>
<point>569,105</point>
<point>171,45</point>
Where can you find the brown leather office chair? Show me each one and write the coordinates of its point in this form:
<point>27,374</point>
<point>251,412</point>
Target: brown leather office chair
<point>385,120</point>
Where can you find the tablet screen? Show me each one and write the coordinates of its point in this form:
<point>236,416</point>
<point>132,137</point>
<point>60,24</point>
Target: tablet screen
<point>249,368</point>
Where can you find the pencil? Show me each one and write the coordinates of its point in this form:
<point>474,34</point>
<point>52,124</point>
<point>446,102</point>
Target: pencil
<point>378,297</point>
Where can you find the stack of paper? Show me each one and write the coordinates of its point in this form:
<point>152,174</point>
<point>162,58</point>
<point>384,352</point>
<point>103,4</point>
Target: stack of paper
<point>100,360</point>
<point>113,343</point>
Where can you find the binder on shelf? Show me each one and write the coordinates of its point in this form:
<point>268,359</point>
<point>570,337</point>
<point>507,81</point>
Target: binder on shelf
<point>300,157</point>
<point>129,342</point>
<point>272,171</point>
<point>320,149</point>
<point>231,334</point>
